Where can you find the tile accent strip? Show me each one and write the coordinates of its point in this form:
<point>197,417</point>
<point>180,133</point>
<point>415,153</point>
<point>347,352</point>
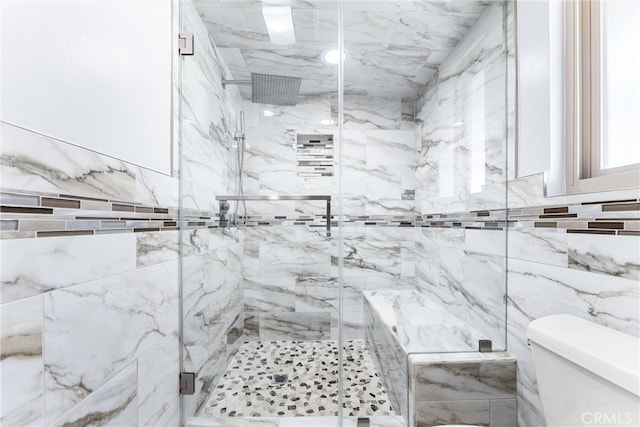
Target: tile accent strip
<point>45,215</point>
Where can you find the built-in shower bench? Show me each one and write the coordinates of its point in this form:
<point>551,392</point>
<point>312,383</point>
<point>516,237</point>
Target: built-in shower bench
<point>431,366</point>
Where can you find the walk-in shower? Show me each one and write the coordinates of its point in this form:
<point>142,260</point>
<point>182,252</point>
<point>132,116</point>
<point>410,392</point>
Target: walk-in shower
<point>353,206</point>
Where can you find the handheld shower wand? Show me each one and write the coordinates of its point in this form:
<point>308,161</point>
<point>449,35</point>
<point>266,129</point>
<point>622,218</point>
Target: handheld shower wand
<point>240,137</point>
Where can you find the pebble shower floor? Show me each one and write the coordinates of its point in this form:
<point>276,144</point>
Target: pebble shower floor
<point>248,389</point>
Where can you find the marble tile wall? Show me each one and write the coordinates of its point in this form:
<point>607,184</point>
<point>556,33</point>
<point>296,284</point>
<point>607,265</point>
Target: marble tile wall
<point>91,309</point>
<point>574,254</point>
<point>211,258</point>
<point>90,254</point>
<point>290,273</point>
<point>463,388</point>
<point>461,116</point>
<point>552,270</point>
<point>462,167</point>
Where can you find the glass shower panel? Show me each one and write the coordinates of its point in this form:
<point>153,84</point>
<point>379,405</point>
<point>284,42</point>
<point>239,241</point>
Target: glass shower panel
<point>260,290</point>
<point>424,180</point>
<point>211,265</point>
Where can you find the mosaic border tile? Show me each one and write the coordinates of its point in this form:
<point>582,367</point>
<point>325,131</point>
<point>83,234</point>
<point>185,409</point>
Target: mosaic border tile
<point>37,215</point>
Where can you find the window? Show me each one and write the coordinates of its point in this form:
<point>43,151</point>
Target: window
<point>602,95</point>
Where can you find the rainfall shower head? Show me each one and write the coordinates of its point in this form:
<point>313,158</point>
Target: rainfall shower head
<point>271,88</point>
<point>274,90</point>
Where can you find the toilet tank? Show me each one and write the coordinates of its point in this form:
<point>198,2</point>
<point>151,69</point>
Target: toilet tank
<point>588,375</point>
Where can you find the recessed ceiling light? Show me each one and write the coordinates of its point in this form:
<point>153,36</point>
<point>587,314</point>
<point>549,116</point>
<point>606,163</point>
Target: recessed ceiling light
<point>268,113</point>
<point>332,56</point>
<point>279,24</point>
<point>327,122</point>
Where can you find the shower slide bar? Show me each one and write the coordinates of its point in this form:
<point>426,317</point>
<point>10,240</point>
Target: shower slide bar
<point>224,206</point>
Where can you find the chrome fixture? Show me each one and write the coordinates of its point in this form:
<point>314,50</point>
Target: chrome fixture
<point>225,199</point>
<point>270,89</point>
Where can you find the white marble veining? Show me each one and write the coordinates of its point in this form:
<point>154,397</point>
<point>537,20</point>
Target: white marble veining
<point>211,306</point>
<point>471,412</point>
<point>290,258</point>
<point>60,262</point>
<point>391,148</point>
<point>115,403</point>
<point>459,381</point>
<point>409,337</point>
<point>211,271</point>
<point>463,376</point>
<point>296,326</point>
<point>21,367</point>
<point>35,162</point>
<point>617,256</point>
<point>537,290</point>
<point>415,321</point>
<point>462,119</point>
<point>543,246</point>
<point>155,248</point>
<point>122,316</point>
<point>38,163</point>
<point>158,397</point>
<point>269,294</point>
<point>390,51</point>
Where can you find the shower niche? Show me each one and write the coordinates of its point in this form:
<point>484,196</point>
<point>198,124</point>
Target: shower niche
<point>314,155</point>
<point>356,178</point>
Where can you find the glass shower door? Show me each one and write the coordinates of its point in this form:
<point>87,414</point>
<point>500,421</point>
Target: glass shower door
<point>425,175</point>
<point>281,319</point>
<point>260,288</point>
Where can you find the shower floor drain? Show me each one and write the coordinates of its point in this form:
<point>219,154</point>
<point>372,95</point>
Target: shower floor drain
<point>279,379</point>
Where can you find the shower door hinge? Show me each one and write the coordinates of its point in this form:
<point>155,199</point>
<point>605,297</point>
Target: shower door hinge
<point>485,346</point>
<point>187,383</point>
<point>185,44</point>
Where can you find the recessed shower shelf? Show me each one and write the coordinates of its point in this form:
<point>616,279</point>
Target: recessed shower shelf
<point>224,206</point>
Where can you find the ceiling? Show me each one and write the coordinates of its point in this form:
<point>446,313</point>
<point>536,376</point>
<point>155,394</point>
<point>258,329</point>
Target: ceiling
<point>394,47</point>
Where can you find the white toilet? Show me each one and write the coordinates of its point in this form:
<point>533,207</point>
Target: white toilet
<point>588,375</point>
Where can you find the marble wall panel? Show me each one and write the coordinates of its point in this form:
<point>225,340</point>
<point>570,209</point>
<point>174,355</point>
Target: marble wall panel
<point>543,246</point>
<point>391,147</point>
<point>462,120</point>
<point>211,273</point>
<point>472,412</point>
<point>61,168</point>
<point>389,359</point>
<point>158,398</point>
<point>464,380</point>
<point>37,163</point>
<point>269,294</point>
<point>59,262</point>
<point>617,256</point>
<point>551,258</point>
<point>21,366</point>
<point>122,316</point>
<point>478,388</point>
<point>295,326</point>
<point>156,248</point>
<point>115,403</point>
<point>368,113</point>
<point>308,259</point>
<point>352,325</point>
<point>537,290</point>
